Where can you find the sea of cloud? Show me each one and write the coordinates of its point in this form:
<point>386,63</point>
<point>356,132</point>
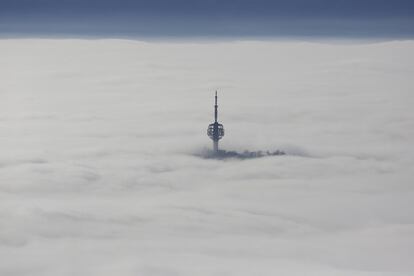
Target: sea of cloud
<point>99,172</point>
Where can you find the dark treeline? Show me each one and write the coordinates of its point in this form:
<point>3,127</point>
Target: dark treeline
<point>224,154</point>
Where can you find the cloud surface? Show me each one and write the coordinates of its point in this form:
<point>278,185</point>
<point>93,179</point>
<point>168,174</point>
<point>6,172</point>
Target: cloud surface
<point>98,174</point>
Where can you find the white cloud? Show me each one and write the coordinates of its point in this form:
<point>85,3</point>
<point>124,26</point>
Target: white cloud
<point>98,176</point>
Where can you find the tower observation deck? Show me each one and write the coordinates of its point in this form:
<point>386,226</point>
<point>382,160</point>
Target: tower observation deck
<point>215,130</point>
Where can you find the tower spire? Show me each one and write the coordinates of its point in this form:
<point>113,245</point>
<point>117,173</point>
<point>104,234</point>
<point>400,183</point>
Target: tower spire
<point>215,108</point>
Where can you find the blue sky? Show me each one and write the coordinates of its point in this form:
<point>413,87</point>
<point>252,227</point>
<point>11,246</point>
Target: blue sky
<point>208,18</point>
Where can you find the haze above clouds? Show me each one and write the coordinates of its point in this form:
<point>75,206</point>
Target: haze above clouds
<point>224,19</point>
<point>98,173</point>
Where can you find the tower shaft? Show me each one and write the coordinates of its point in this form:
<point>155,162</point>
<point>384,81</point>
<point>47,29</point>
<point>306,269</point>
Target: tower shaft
<point>215,146</point>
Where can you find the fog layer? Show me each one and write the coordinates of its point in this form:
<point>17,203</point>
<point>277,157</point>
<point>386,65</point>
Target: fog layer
<point>98,174</point>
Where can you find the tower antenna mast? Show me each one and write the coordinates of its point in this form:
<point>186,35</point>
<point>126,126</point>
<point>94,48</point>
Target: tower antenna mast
<point>215,109</point>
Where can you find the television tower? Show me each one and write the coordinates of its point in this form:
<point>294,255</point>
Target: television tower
<point>215,130</point>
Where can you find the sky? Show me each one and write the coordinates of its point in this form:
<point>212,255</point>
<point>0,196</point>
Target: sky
<point>375,19</point>
<point>100,172</point>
